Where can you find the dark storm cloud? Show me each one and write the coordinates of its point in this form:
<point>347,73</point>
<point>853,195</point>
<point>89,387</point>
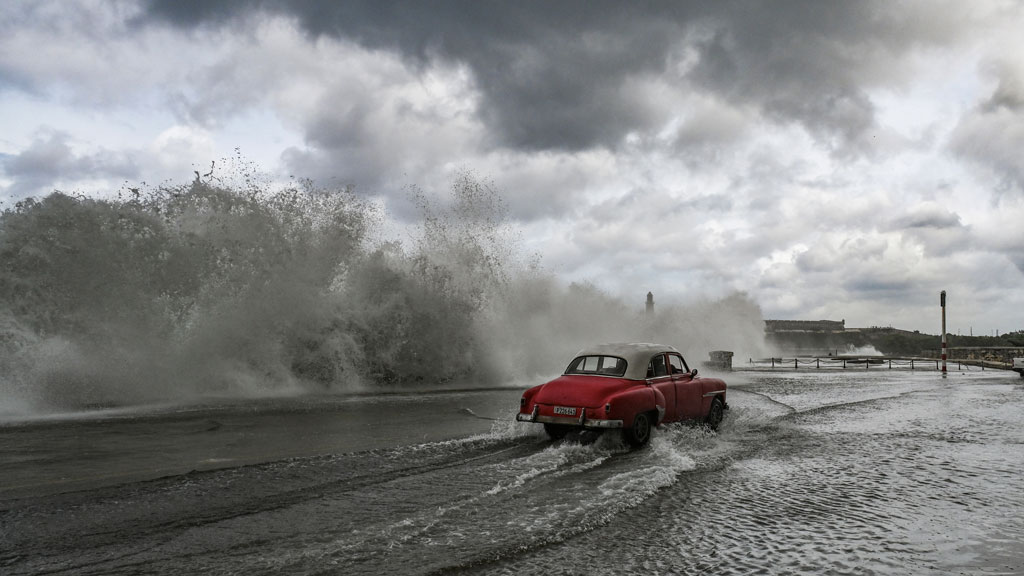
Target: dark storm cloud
<point>50,159</point>
<point>811,62</point>
<point>554,75</point>
<point>565,75</point>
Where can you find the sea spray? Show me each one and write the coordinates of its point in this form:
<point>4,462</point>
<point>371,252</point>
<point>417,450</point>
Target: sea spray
<point>183,290</point>
<point>236,288</point>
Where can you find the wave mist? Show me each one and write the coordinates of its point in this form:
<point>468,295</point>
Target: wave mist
<point>184,292</point>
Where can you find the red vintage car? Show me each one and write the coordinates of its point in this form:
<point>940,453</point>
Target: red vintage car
<point>632,387</point>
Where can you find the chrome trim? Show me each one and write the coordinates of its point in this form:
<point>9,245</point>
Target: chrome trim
<point>602,424</point>
<point>714,393</point>
<point>595,423</point>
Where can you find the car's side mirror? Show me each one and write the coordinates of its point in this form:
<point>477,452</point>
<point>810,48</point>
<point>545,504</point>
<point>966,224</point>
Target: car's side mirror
<point>693,373</point>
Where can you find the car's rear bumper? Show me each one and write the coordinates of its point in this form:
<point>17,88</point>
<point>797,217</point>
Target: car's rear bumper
<point>582,422</point>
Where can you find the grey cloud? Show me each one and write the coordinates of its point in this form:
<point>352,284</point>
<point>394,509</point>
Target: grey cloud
<point>710,127</point>
<point>993,141</point>
<point>338,147</point>
<point>854,252</point>
<point>554,76</point>
<point>810,62</point>
<point>16,80</point>
<point>71,50</point>
<point>563,75</point>
<point>1018,260</point>
<point>547,188</point>
<point>790,84</point>
<point>930,216</point>
<point>814,261</point>
<point>1010,245</point>
<point>992,134</point>
<point>878,285</point>
<point>659,206</point>
<point>372,140</point>
<point>1009,93</point>
<point>706,203</point>
<point>50,159</point>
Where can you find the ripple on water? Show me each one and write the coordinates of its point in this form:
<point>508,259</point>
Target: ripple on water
<point>924,481</point>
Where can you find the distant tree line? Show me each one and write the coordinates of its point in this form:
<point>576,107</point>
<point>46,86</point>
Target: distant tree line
<point>888,341</point>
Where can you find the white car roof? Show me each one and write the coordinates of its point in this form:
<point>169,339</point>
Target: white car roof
<point>636,354</point>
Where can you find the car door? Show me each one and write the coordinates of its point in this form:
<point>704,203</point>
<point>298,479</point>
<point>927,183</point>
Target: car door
<point>658,377</point>
<point>687,388</point>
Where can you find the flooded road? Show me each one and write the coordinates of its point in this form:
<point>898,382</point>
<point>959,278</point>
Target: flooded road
<point>811,473</point>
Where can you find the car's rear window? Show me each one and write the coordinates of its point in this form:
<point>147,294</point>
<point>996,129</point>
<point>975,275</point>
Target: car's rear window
<point>603,365</point>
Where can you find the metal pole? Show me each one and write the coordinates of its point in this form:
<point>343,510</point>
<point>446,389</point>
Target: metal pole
<point>942,302</point>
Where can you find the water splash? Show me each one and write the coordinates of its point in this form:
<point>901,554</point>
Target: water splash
<point>232,287</point>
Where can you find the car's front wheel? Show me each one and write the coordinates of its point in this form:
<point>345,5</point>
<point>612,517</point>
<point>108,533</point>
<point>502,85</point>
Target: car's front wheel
<point>640,432</point>
<point>715,414</point>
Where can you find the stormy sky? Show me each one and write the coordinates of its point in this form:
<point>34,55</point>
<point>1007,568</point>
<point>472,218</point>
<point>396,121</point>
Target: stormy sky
<point>832,160</point>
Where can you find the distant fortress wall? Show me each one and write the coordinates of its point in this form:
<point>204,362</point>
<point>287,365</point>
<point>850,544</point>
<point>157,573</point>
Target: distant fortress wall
<point>776,326</point>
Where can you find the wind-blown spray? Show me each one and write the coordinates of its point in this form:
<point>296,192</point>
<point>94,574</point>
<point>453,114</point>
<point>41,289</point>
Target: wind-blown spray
<point>206,289</point>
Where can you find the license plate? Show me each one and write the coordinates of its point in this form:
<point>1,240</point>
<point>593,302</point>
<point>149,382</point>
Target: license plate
<point>565,411</point>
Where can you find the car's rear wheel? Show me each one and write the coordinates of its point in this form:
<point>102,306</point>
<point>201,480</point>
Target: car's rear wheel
<point>640,432</point>
<point>557,431</point>
<point>715,414</point>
